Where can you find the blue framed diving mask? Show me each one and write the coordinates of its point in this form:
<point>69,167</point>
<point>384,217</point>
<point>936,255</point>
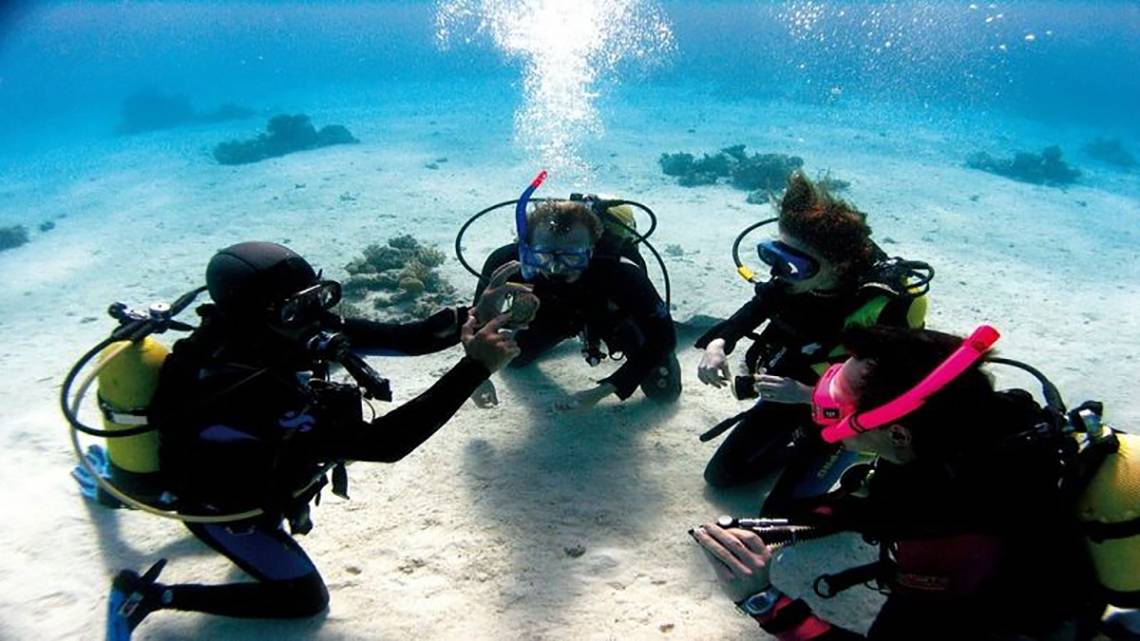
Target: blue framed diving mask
<point>554,261</point>
<point>786,261</point>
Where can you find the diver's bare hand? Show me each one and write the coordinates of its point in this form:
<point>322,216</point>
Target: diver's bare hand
<point>713,368</point>
<point>741,559</point>
<point>487,345</point>
<point>584,400</point>
<point>485,395</point>
<point>780,389</point>
<point>524,304</point>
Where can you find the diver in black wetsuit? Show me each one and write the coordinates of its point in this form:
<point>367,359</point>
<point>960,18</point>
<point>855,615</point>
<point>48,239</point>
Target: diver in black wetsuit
<point>969,500</point>
<point>248,418</point>
<point>604,298</point>
<point>827,275</point>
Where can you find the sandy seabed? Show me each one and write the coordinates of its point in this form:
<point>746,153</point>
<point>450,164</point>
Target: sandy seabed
<point>469,537</point>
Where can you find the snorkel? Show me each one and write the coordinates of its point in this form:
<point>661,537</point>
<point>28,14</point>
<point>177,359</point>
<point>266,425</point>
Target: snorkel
<point>840,422</point>
<point>525,251</point>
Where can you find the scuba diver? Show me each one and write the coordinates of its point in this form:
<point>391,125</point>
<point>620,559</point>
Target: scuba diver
<point>827,274</point>
<point>592,283</point>
<point>247,416</point>
<point>996,518</point>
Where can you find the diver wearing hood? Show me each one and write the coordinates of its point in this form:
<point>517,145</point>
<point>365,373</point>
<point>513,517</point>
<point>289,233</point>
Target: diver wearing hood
<point>602,297</point>
<point>827,274</point>
<point>248,417</point>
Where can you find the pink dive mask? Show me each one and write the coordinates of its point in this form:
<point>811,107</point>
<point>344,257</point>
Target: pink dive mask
<point>839,418</point>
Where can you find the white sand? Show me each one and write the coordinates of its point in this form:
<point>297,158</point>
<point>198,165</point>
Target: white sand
<point>466,538</point>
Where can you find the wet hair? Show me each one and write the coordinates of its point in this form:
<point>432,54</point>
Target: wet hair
<point>827,224</point>
<point>951,420</point>
<point>561,216</point>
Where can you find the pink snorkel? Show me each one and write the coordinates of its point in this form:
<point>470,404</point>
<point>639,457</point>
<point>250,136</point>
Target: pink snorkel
<point>841,422</point>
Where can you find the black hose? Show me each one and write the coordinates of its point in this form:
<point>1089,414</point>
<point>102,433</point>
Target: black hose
<point>664,276</point>
<point>740,238</point>
<point>133,330</point>
<point>470,221</point>
<point>920,275</point>
<point>65,393</point>
<point>1048,389</point>
<point>643,239</point>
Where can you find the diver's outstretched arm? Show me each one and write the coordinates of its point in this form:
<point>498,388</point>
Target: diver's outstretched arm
<point>393,436</point>
<point>432,334</point>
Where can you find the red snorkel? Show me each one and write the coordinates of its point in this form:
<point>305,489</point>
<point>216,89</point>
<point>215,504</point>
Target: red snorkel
<point>840,421</point>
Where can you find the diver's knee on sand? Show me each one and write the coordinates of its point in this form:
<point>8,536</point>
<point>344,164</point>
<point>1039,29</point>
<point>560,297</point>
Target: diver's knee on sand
<point>664,382</point>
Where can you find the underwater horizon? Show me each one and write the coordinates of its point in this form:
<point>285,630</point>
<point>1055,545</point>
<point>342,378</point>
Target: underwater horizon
<point>67,66</point>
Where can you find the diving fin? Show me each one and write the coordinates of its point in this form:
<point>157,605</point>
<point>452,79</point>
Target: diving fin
<point>132,598</point>
<point>89,488</point>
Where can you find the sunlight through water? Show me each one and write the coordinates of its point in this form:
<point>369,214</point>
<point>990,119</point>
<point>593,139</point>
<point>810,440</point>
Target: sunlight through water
<point>565,47</point>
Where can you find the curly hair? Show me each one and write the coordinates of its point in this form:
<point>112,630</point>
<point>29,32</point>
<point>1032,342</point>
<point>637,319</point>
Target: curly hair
<point>830,225</point>
<point>560,216</point>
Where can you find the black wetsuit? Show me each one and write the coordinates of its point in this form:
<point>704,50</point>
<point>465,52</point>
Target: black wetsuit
<point>239,432</point>
<point>977,547</point>
<point>615,303</point>
<point>802,331</point>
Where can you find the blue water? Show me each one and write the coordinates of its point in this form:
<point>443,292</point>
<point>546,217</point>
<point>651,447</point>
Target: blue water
<point>64,67</point>
<point>892,96</point>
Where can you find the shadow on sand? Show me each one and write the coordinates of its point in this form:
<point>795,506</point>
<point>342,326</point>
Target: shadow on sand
<point>566,494</point>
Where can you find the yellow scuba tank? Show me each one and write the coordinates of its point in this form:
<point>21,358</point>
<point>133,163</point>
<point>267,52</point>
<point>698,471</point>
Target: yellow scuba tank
<point>126,386</point>
<point>622,221</point>
<point>1109,512</point>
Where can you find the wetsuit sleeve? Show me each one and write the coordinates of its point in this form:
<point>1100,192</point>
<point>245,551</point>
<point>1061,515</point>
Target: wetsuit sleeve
<point>634,292</point>
<point>497,259</point>
<point>745,320</point>
<point>435,333</point>
<point>393,436</point>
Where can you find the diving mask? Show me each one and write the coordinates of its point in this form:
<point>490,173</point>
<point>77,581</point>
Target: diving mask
<point>307,304</point>
<point>839,417</point>
<point>786,261</point>
<point>555,261</point>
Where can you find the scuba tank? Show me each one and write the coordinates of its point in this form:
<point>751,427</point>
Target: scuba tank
<point>126,372</point>
<point>620,236</point>
<point>1103,480</point>
<point>1109,511</point>
<point>619,219</point>
<point>127,379</point>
